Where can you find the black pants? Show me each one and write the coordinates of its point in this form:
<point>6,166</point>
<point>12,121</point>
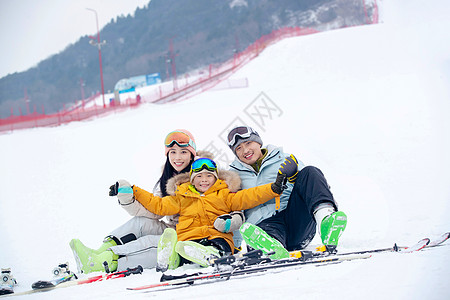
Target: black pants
<point>295,226</point>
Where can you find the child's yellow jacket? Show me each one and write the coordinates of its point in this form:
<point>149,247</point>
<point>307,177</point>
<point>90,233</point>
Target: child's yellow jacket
<point>199,211</point>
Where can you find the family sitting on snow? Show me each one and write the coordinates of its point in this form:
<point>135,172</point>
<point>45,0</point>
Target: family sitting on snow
<point>194,213</point>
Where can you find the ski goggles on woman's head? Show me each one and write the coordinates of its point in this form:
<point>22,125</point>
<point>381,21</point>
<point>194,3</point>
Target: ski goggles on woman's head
<point>203,163</point>
<point>242,132</point>
<point>180,138</point>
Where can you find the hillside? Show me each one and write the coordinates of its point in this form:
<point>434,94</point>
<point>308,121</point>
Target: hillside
<point>201,32</point>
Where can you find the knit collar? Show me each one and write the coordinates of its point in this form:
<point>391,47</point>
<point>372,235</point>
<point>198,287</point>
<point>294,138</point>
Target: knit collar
<point>257,165</point>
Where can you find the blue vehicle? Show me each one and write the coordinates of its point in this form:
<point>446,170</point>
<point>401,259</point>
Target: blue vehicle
<point>126,85</point>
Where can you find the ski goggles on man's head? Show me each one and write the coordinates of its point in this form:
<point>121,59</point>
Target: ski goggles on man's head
<point>203,163</point>
<point>180,138</point>
<point>242,132</point>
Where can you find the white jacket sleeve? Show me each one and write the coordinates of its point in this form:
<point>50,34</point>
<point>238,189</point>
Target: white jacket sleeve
<point>136,209</point>
<point>169,220</point>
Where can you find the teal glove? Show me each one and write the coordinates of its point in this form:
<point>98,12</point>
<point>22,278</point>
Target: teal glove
<point>123,190</point>
<point>229,222</point>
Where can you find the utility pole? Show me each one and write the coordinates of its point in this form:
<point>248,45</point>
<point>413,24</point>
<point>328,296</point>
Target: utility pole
<point>172,56</point>
<point>27,100</point>
<point>98,44</point>
<point>82,88</point>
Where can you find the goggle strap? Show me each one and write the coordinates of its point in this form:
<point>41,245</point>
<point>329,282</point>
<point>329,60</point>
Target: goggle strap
<point>189,143</point>
<point>205,163</point>
<point>203,167</point>
<point>245,135</point>
<point>179,144</point>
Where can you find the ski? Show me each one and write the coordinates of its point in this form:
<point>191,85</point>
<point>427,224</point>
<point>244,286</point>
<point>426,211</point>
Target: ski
<point>6,290</point>
<point>422,244</point>
<point>254,261</point>
<point>61,273</point>
<point>42,286</point>
<point>439,241</point>
<point>245,270</point>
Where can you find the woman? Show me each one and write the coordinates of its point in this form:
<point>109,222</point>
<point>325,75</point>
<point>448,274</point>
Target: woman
<point>135,242</point>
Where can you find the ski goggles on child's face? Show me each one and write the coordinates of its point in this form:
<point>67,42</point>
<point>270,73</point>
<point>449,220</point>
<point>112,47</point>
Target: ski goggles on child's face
<point>203,163</point>
<point>242,132</point>
<point>180,138</point>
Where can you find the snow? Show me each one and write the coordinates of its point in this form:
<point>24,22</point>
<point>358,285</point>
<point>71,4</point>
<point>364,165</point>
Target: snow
<point>367,105</point>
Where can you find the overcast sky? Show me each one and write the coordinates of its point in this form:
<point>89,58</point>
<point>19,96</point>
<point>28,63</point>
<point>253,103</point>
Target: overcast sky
<point>33,30</point>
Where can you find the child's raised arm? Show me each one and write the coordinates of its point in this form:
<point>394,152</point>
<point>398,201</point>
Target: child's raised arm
<point>249,198</point>
<point>157,205</point>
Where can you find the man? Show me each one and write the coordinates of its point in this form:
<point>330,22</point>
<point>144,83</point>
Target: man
<point>306,202</point>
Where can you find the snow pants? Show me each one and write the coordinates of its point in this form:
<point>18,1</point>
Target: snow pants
<point>137,242</point>
<point>295,226</point>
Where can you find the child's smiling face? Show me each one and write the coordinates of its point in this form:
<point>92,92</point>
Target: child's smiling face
<point>203,181</point>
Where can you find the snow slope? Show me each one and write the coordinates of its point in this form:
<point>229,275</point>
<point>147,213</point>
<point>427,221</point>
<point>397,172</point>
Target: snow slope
<point>367,105</point>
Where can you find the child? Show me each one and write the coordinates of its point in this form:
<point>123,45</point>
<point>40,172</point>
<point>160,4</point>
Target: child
<point>199,198</point>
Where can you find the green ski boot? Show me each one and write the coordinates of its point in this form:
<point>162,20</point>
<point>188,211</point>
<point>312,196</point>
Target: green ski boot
<point>88,260</point>
<point>197,253</point>
<point>257,238</point>
<point>167,258</point>
<point>332,227</point>
<point>107,243</point>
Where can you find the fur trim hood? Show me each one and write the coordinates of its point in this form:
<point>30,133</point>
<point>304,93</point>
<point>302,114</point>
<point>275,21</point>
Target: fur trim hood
<point>204,153</point>
<point>231,178</point>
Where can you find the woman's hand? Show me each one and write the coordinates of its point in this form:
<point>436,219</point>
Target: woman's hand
<point>123,190</point>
